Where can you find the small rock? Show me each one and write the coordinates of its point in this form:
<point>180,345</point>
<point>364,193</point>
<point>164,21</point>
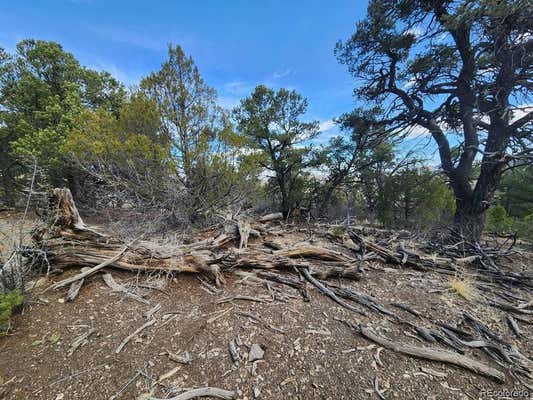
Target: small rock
<point>257,392</point>
<point>256,353</point>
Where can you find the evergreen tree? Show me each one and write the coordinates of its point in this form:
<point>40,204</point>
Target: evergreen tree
<point>271,123</point>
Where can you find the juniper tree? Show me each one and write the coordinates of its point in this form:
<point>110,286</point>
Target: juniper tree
<point>271,123</point>
<point>452,68</point>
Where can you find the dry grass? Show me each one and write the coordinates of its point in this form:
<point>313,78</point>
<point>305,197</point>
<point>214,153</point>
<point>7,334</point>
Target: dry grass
<point>464,287</point>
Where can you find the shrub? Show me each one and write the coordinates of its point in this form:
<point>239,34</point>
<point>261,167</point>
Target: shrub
<point>338,231</point>
<point>498,221</point>
<point>8,303</point>
<point>464,288</point>
<point>524,226</point>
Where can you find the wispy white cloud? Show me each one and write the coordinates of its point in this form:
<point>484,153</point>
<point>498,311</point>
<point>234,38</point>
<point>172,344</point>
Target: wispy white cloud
<point>326,125</point>
<point>230,93</point>
<point>129,78</point>
<point>282,73</point>
<point>131,37</point>
<point>416,31</point>
<point>328,129</point>
<point>228,102</point>
<point>237,88</point>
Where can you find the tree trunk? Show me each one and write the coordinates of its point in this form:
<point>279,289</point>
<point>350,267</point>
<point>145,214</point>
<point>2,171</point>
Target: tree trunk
<point>326,200</point>
<point>472,205</point>
<point>468,220</point>
<point>285,205</point>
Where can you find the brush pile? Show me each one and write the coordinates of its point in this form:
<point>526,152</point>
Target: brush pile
<point>327,254</point>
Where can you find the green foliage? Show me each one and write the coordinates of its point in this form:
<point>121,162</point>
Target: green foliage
<point>98,135</point>
<point>346,155</point>
<point>106,150</point>
<point>515,192</point>
<point>513,211</point>
<point>42,91</point>
<point>338,231</point>
<point>8,302</point>
<point>414,197</point>
<point>497,219</point>
<point>451,68</point>
<point>190,118</point>
<point>524,226</point>
<point>269,122</point>
<point>141,115</point>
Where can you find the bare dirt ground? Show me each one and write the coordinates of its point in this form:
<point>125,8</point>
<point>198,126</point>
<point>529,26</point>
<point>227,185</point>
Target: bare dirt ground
<point>308,353</point>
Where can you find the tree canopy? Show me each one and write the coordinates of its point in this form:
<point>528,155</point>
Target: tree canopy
<point>451,68</point>
<point>271,123</point>
<point>42,90</point>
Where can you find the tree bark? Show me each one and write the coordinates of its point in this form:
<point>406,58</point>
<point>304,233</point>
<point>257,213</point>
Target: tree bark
<point>468,220</point>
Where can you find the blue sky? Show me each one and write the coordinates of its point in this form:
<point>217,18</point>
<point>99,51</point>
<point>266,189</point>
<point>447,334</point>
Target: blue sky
<point>237,44</point>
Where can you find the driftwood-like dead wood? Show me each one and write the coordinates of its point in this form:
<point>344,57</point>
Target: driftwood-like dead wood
<point>363,299</point>
<point>513,325</point>
<point>203,392</point>
<point>328,292</point>
<point>434,355</point>
<point>149,314</point>
<point>239,297</point>
<point>181,359</point>
<point>271,217</point>
<point>375,385</point>
<point>319,253</point>
<point>75,287</point>
<point>80,341</point>
<point>244,233</point>
<point>115,287</point>
<point>69,242</point>
<point>89,271</point>
<point>135,333</point>
<point>280,260</point>
<point>407,308</point>
<point>386,254</point>
<point>259,320</point>
<point>339,270</point>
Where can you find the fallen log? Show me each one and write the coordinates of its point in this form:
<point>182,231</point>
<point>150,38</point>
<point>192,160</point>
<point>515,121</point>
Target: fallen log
<point>88,272</point>
<point>271,217</point>
<point>320,253</point>
<point>69,242</point>
<point>386,254</point>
